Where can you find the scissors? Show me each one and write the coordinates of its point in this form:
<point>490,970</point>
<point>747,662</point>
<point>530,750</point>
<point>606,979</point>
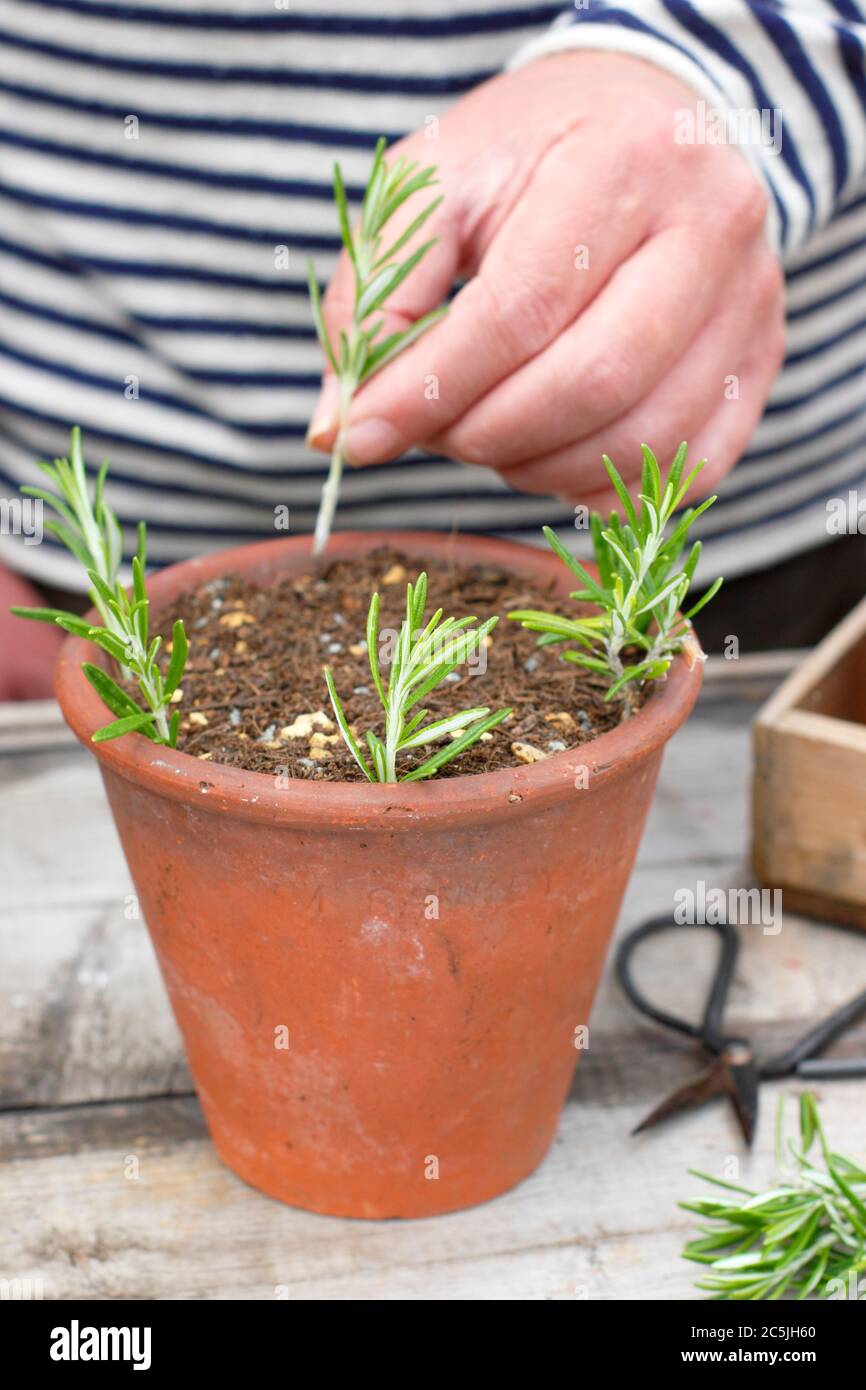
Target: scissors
<point>734,1070</point>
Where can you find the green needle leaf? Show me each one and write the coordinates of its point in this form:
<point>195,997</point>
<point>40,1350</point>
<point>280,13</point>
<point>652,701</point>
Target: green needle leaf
<point>389,280</point>
<point>72,542</point>
<point>179,653</point>
<point>343,212</point>
<point>396,343</point>
<point>50,615</point>
<point>443,727</point>
<point>408,234</point>
<point>56,502</point>
<point>622,492</point>
<point>128,725</point>
<point>107,688</point>
<point>453,750</point>
<point>373,648</point>
<point>318,316</point>
<point>574,565</point>
<point>138,587</point>
<point>704,599</point>
<point>343,725</point>
<point>108,641</point>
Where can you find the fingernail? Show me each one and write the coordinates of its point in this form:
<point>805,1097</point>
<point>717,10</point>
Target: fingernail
<point>371,441</point>
<point>324,421</point>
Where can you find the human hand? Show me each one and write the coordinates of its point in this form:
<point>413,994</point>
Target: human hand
<point>668,325</point>
<point>27,649</point>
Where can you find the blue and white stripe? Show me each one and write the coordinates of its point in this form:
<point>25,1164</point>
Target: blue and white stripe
<point>156,258</point>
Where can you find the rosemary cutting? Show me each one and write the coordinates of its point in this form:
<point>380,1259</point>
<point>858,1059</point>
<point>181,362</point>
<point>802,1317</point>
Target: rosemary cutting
<point>423,656</point>
<point>361,351</point>
<point>90,530</point>
<point>640,587</point>
<point>804,1236</point>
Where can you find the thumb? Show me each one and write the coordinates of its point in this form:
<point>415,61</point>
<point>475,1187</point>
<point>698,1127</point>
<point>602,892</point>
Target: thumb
<point>421,291</point>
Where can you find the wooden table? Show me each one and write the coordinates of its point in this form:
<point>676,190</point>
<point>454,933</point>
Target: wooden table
<point>109,1187</point>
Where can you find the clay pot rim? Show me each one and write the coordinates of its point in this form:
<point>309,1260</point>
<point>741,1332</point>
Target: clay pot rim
<point>216,788</point>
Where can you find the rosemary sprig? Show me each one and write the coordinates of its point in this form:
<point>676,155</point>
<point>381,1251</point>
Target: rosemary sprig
<point>90,530</point>
<point>641,585</point>
<point>424,654</point>
<point>805,1236</point>
<point>361,352</point>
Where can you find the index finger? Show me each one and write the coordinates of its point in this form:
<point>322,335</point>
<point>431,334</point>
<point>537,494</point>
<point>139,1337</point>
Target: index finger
<point>529,287</point>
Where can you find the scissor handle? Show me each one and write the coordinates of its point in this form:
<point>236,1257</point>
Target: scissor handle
<point>816,1040</point>
<point>709,1031</point>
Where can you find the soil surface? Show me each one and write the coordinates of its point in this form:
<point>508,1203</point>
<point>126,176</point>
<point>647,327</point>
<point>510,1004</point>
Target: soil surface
<point>254,695</point>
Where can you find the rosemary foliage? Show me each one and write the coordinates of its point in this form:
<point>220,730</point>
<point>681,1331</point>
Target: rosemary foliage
<point>88,528</point>
<point>641,583</point>
<point>361,351</point>
<point>424,654</point>
<point>805,1236</point>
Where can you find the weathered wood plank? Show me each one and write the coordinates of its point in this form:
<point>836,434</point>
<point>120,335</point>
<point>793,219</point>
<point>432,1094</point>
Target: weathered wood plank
<point>83,1014</point>
<point>157,1125</point>
<point>33,724</point>
<point>598,1220</point>
<point>58,846</point>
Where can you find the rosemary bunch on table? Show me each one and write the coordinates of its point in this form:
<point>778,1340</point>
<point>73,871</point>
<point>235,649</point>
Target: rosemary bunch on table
<point>804,1236</point>
<point>424,654</point>
<point>361,350</point>
<point>89,529</point>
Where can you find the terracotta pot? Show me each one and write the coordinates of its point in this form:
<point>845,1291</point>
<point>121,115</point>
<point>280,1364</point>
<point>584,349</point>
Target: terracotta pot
<point>427,951</point>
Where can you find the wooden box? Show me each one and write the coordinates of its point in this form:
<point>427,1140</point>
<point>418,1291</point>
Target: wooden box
<point>809,788</point>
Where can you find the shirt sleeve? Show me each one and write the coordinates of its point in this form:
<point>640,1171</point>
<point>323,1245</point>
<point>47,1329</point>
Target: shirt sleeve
<point>785,80</point>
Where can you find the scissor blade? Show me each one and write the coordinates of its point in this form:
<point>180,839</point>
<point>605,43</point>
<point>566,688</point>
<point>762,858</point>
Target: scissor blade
<point>713,1082</point>
<point>743,1090</point>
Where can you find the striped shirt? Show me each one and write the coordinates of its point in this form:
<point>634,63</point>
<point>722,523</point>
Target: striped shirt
<point>164,171</point>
